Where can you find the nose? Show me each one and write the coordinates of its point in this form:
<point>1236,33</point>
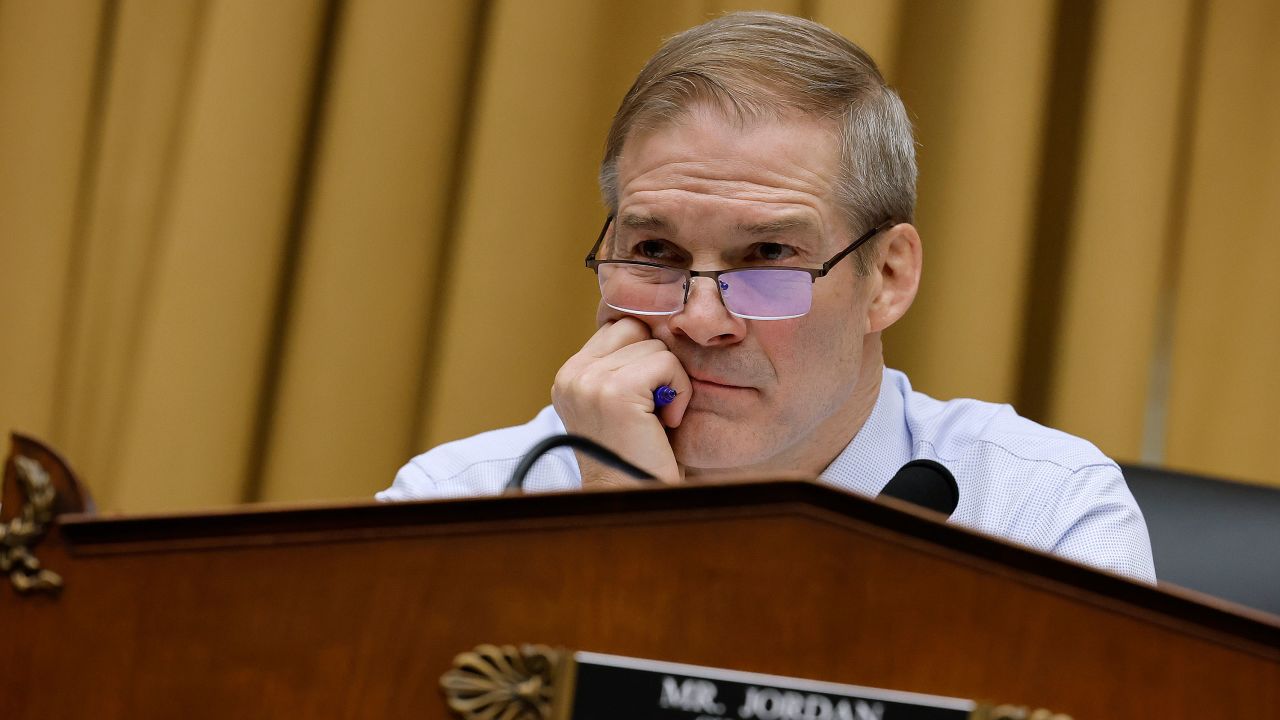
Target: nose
<point>704,319</point>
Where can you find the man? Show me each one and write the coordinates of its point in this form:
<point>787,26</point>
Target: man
<point>769,147</point>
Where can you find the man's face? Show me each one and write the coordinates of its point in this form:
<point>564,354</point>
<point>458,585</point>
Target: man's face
<point>707,193</point>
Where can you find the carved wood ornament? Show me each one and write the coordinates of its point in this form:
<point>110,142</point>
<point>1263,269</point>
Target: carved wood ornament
<point>22,532</point>
<point>504,682</point>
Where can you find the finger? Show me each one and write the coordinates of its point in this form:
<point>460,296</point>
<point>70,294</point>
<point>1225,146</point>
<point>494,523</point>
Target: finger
<point>661,369</point>
<point>616,335</point>
<point>586,358</point>
<point>673,414</point>
<point>626,377</point>
<point>620,358</point>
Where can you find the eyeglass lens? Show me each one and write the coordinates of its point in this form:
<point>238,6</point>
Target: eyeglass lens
<point>754,294</point>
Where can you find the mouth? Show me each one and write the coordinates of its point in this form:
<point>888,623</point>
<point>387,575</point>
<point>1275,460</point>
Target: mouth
<point>709,382</point>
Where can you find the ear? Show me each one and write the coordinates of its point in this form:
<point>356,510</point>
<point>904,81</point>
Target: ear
<point>898,265</point>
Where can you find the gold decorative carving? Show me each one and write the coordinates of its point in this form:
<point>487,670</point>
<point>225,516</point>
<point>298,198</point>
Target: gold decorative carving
<point>507,683</point>
<point>21,533</point>
<point>1014,712</point>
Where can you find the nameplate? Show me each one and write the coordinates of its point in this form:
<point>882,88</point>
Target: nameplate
<point>538,682</point>
<point>609,687</point>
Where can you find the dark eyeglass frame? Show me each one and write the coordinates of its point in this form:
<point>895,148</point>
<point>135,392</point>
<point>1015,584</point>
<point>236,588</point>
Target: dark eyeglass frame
<point>814,273</point>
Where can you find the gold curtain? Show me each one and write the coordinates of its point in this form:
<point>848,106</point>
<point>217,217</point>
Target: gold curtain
<point>268,251</point>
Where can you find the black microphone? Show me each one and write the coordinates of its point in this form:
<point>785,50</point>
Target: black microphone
<point>927,484</point>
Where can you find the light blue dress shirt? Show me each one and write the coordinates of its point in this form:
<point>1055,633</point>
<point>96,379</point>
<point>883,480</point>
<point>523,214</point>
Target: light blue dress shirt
<point>1018,480</point>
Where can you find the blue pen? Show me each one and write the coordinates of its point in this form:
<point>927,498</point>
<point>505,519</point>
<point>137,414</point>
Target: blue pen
<point>663,397</point>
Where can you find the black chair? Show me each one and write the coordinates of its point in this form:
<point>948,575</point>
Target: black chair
<point>1218,537</point>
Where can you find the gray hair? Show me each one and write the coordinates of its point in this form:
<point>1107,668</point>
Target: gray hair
<point>760,65</point>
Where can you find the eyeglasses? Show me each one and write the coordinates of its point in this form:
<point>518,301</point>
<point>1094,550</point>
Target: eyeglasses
<point>753,293</point>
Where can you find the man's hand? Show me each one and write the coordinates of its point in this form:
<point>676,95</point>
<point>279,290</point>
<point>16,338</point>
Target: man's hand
<point>605,392</point>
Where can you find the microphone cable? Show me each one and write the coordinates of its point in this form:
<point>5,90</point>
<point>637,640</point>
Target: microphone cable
<point>577,442</point>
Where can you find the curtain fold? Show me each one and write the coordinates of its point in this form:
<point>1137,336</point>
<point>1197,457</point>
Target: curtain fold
<point>268,251</point>
<point>47,81</point>
<point>189,251</point>
<point>1224,393</point>
<point>1122,224</point>
<point>973,77</point>
<point>130,175</point>
<point>363,301</point>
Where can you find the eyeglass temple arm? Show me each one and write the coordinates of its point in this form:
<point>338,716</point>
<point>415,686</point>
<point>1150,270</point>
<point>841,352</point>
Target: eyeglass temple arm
<point>826,266</point>
<point>591,256</point>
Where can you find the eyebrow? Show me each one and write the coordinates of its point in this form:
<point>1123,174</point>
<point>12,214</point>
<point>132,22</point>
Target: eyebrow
<point>779,226</point>
<point>632,221</point>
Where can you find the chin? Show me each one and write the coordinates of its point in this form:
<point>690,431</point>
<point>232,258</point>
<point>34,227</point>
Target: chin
<point>706,441</point>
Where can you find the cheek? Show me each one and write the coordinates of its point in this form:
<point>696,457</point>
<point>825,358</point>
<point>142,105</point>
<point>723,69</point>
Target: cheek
<point>812,348</point>
<point>841,314</point>
<point>605,314</point>
<point>817,355</point>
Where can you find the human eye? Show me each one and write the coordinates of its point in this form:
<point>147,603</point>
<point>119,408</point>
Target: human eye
<point>772,252</point>
<point>655,250</point>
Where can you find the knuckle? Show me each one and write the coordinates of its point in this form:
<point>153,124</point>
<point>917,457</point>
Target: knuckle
<point>611,392</point>
<point>566,376</point>
<point>562,377</point>
<point>579,385</point>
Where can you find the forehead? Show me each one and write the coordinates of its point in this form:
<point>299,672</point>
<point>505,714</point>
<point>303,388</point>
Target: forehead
<point>705,166</point>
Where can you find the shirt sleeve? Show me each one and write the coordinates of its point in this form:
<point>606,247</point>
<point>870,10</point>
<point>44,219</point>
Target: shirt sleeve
<point>1097,522</point>
<point>482,464</point>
